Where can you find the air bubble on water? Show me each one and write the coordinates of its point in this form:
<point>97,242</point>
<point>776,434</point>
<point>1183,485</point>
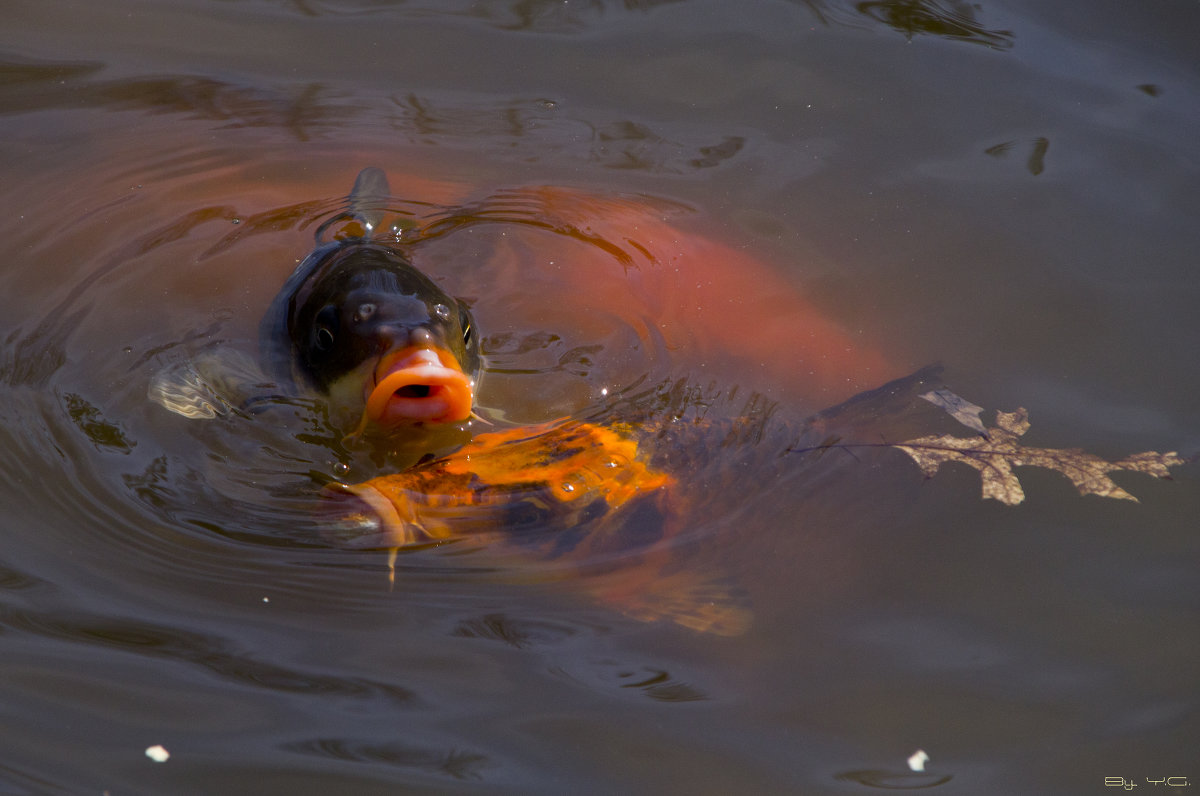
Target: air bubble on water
<point>568,488</point>
<point>341,468</point>
<point>127,349</point>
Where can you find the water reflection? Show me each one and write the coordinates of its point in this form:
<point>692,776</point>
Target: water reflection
<point>541,127</point>
<point>1036,162</point>
<point>895,780</point>
<point>658,684</point>
<point>211,653</point>
<point>615,143</point>
<point>306,110</point>
<point>518,632</point>
<point>31,358</point>
<point>453,763</point>
<point>105,435</point>
<point>529,16</point>
<point>650,681</point>
<point>948,19</point>
<point>927,17</point>
<point>28,85</point>
<point>955,20</point>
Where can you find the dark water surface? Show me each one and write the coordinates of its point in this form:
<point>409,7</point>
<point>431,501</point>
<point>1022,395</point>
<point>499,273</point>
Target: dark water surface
<point>1009,188</point>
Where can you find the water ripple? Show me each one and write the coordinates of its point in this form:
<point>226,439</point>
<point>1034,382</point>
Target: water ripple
<point>453,763</point>
<point>207,652</point>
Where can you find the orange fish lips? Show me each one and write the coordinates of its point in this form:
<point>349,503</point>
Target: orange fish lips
<point>419,385</point>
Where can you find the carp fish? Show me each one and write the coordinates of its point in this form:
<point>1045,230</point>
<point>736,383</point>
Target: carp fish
<point>360,324</point>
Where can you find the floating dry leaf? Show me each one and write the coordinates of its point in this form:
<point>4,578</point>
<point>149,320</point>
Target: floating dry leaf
<point>996,454</point>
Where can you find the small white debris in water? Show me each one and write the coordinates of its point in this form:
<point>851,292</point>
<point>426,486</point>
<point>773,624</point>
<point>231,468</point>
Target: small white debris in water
<point>158,753</point>
<point>918,760</point>
<point>266,599</point>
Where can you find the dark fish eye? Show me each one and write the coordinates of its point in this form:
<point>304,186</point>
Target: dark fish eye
<point>323,325</point>
<point>324,339</point>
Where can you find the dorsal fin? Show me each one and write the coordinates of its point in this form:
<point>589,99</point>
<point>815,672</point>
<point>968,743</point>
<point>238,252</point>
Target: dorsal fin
<point>369,198</point>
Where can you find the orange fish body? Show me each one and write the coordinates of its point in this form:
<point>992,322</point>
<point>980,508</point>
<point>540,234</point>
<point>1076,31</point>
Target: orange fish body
<point>553,473</point>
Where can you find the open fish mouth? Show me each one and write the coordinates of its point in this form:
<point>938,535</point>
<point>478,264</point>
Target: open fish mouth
<point>419,385</point>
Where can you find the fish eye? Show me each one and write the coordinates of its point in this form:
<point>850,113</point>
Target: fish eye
<point>324,339</point>
<point>323,326</point>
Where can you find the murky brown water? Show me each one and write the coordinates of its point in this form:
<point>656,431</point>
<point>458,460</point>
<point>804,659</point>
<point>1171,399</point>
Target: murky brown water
<point>1003,188</point>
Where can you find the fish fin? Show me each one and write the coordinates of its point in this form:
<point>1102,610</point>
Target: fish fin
<point>691,600</point>
<point>369,197</point>
<point>476,416</point>
<point>180,388</point>
<point>210,384</point>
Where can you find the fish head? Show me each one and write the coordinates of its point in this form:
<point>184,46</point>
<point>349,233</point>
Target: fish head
<point>368,328</point>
